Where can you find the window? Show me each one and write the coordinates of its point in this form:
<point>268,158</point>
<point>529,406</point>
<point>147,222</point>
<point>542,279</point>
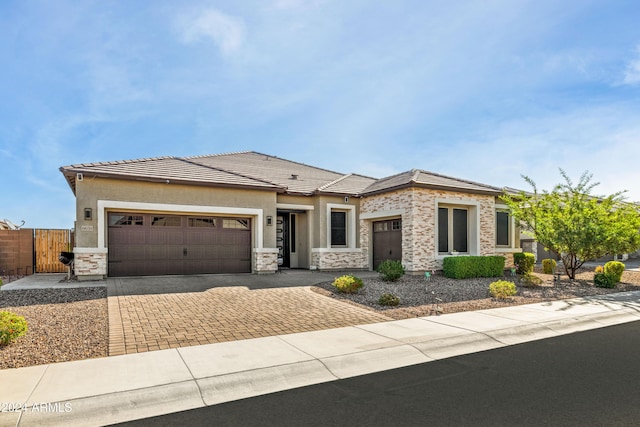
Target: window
<point>202,222</point>
<point>338,228</point>
<point>502,228</point>
<point>116,219</point>
<point>239,224</point>
<point>166,221</point>
<point>453,230</point>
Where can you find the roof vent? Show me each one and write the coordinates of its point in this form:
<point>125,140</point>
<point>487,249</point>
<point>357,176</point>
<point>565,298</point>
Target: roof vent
<point>294,176</point>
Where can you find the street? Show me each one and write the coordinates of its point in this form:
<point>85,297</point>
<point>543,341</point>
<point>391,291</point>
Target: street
<point>587,378</point>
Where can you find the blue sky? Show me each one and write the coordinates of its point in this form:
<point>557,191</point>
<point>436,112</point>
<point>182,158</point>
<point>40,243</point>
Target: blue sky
<point>482,90</point>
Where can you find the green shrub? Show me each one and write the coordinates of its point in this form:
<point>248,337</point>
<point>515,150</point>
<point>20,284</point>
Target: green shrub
<point>502,289</point>
<point>524,262</point>
<point>614,269</point>
<point>604,280</point>
<point>348,284</point>
<point>1,282</point>
<point>530,280</point>
<point>388,299</point>
<point>549,266</point>
<point>12,326</point>
<point>390,270</point>
<point>463,267</point>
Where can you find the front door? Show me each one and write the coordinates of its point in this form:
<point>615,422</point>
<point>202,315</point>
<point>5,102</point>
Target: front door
<point>387,241</point>
<point>282,239</point>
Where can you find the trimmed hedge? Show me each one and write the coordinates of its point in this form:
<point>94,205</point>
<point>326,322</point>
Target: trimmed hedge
<point>388,299</point>
<point>348,284</point>
<point>390,271</point>
<point>604,280</point>
<point>502,289</point>
<point>524,262</point>
<point>614,269</point>
<point>464,267</point>
<point>12,326</point>
<point>549,266</point>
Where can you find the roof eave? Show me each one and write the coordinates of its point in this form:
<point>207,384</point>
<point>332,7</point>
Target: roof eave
<point>71,173</point>
<point>487,192</point>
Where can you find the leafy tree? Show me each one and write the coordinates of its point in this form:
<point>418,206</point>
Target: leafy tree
<point>575,225</point>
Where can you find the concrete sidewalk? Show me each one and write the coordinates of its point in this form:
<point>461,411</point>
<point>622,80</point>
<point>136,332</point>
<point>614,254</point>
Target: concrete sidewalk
<point>120,388</point>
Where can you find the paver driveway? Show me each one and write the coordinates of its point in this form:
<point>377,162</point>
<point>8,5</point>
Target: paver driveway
<point>144,317</point>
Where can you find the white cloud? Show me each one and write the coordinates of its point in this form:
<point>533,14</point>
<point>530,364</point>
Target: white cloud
<point>296,4</point>
<point>226,31</point>
<point>632,72</point>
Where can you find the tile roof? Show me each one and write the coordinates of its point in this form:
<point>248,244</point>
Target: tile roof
<point>242,169</point>
<point>421,178</point>
<point>295,177</point>
<point>249,169</point>
<point>165,169</point>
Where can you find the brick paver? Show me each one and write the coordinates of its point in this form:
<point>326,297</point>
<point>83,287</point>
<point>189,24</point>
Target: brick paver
<point>139,323</point>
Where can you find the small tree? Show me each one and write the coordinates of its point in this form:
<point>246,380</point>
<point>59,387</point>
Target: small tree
<point>575,225</point>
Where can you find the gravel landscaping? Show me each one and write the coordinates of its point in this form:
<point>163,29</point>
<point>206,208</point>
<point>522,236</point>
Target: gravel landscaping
<point>419,297</point>
<point>72,324</point>
<point>64,324</point>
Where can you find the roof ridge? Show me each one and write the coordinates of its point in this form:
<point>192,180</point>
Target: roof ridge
<point>186,160</point>
<point>293,161</point>
<point>228,153</point>
<point>416,173</point>
<point>120,162</point>
<point>335,181</point>
<point>394,175</point>
<point>460,179</point>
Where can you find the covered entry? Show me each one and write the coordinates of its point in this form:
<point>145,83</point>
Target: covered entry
<point>143,244</point>
<point>387,241</point>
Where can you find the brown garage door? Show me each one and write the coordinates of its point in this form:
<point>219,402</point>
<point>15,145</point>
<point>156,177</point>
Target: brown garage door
<point>387,241</point>
<point>157,244</point>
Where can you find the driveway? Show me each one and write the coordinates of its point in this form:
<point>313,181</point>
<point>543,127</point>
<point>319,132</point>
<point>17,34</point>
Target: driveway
<point>153,313</point>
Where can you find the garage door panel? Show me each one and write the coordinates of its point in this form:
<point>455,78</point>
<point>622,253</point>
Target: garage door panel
<point>126,235</point>
<point>202,237</point>
<point>163,244</point>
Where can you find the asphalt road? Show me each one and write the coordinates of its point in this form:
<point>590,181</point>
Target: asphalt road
<point>584,379</point>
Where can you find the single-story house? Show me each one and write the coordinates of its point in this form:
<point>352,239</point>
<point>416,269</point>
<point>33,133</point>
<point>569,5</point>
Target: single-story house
<point>252,212</point>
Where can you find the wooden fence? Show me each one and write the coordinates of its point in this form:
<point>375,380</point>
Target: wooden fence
<point>48,245</point>
<point>27,251</point>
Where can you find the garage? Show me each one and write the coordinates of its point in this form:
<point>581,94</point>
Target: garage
<point>387,241</point>
<point>150,244</point>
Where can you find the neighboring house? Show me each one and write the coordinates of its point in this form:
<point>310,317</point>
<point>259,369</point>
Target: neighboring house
<point>251,212</point>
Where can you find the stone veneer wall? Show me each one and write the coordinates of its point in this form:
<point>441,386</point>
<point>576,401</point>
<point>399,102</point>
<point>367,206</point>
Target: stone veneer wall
<point>419,223</point>
<point>265,261</point>
<point>338,260</point>
<point>90,264</point>
<point>508,259</point>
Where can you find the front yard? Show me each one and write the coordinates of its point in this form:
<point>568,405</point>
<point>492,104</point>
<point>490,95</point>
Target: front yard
<point>439,295</point>
<point>73,324</point>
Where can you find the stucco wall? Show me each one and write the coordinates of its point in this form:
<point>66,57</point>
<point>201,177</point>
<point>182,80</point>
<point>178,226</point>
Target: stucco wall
<point>92,258</point>
<point>90,190</point>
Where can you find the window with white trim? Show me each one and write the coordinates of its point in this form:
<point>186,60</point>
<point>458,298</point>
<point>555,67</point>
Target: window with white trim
<point>338,228</point>
<point>453,229</point>
<point>503,228</point>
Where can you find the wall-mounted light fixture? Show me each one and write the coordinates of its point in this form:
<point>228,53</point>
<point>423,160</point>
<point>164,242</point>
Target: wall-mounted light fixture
<point>269,220</point>
<point>88,214</point>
